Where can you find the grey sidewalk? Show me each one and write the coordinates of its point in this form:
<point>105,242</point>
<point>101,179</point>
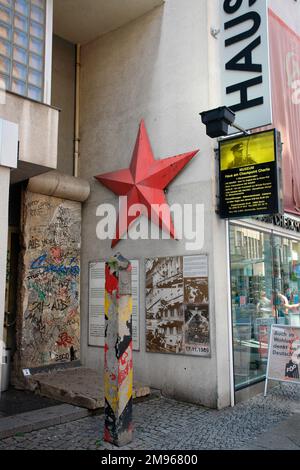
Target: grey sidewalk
<point>163,424</point>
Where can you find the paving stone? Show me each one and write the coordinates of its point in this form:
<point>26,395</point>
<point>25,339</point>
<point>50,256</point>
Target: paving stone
<point>163,424</point>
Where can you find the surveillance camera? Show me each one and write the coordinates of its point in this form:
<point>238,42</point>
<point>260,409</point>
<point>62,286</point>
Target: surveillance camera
<point>217,121</point>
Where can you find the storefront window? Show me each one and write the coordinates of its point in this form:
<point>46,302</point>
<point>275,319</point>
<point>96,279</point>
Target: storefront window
<point>287,280</point>
<point>265,287</point>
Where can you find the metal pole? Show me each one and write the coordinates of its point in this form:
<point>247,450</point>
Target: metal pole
<point>118,370</point>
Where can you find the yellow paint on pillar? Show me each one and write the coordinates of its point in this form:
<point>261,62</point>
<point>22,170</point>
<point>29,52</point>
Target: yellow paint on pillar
<point>125,308</point>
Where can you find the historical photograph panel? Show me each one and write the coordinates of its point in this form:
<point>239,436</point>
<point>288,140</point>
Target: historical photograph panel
<point>164,272</point>
<point>165,319</point>
<point>196,329</point>
<point>177,310</point>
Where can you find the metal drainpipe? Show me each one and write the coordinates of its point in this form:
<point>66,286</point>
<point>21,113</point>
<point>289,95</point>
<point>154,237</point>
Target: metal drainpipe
<point>77,112</point>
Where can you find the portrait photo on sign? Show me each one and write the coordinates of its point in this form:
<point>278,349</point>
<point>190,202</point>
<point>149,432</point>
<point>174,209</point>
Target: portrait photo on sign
<point>196,290</point>
<point>254,149</point>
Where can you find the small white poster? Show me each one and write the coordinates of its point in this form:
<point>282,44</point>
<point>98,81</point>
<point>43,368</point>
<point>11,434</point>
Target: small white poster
<point>96,304</point>
<point>284,354</point>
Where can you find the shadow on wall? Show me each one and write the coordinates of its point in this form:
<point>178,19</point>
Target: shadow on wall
<point>117,82</point>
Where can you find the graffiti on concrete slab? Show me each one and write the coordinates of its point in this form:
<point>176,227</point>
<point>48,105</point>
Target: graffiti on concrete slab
<point>50,281</point>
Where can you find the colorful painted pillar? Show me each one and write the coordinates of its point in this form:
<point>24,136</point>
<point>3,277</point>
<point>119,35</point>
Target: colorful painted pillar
<point>118,372</point>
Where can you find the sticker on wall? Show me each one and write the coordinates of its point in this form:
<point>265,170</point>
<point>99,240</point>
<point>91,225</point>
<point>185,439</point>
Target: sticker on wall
<point>177,305</point>
<point>96,304</point>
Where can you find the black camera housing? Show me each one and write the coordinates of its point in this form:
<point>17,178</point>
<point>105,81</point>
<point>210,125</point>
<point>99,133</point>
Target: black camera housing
<point>217,121</point>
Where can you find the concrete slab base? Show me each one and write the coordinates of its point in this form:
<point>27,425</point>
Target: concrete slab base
<point>79,386</point>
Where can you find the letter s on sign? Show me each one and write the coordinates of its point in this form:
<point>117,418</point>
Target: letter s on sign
<point>228,8</point>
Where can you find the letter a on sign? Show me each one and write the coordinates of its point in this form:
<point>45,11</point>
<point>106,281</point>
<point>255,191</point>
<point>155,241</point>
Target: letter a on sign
<point>245,53</point>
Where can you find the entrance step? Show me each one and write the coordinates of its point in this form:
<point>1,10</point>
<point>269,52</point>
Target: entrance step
<point>78,386</point>
<point>40,419</point>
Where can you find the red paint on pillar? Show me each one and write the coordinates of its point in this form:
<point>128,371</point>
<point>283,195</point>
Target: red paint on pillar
<point>111,281</point>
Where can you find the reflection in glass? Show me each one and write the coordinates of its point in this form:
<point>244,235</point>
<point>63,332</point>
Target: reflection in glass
<point>34,93</point>
<point>21,23</point>
<point>18,87</point>
<point>19,71</point>
<point>265,287</point>
<point>5,65</point>
<point>5,31</point>
<point>20,55</point>
<point>22,6</point>
<point>5,15</point>
<point>35,62</point>
<point>21,39</point>
<point>5,48</point>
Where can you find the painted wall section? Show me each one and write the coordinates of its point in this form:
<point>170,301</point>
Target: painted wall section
<point>49,318</point>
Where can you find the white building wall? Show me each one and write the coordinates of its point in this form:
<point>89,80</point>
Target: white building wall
<point>157,68</point>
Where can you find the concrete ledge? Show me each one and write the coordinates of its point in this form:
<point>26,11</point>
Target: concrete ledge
<point>77,386</point>
<point>40,419</point>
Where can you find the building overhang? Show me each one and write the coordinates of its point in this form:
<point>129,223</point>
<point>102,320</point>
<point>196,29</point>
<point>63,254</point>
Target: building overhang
<point>81,22</point>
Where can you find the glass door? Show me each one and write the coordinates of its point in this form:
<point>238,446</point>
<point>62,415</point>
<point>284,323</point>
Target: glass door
<point>253,310</point>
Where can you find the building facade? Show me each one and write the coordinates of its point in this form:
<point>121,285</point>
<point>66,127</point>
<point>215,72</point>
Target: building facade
<point>204,312</point>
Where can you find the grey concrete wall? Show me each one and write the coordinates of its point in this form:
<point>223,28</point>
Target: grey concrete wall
<point>63,97</point>
<point>156,68</point>
<point>38,129</point>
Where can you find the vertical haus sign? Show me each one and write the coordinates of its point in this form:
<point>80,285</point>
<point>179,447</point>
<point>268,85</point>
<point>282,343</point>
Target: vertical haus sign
<point>245,55</point>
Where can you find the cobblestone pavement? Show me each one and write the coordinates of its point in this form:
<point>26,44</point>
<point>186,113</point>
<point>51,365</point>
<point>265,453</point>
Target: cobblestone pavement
<point>164,424</point>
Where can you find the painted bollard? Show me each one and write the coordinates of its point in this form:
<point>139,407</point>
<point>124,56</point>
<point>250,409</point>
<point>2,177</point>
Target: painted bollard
<point>118,371</point>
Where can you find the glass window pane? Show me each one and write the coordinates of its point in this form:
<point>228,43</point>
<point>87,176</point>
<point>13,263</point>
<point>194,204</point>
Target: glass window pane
<point>5,48</point>
<point>22,6</point>
<point>21,22</point>
<point>5,65</point>
<point>35,78</point>
<point>5,31</point>
<point>20,55</point>
<point>19,87</point>
<point>39,3</point>
<point>21,39</point>
<point>36,30</point>
<point>22,46</point>
<point>37,14</point>
<point>34,93</point>
<point>36,46</point>
<point>5,15</point>
<point>36,62</point>
<point>19,71</point>
<point>287,280</point>
<point>7,3</point>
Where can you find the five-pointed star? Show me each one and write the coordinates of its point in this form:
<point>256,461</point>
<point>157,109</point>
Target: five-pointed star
<point>144,183</point>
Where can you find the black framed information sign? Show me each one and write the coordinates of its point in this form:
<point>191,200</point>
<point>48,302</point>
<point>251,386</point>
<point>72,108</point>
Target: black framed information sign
<point>250,175</point>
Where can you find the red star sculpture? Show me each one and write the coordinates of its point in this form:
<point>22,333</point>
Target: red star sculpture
<point>144,183</point>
